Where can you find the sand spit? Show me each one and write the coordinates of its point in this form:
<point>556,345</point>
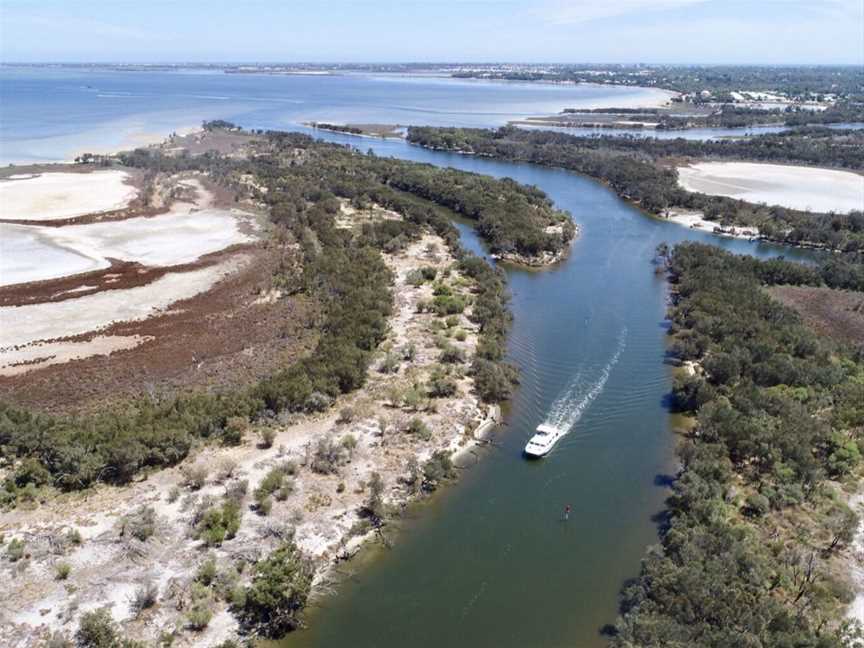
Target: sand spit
<point>56,196</point>
<point>795,187</point>
<point>322,509</point>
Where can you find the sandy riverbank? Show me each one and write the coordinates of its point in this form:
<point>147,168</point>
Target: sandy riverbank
<point>697,220</point>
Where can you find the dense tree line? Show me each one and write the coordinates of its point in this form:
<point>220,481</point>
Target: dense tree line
<point>799,81</point>
<point>779,410</point>
<point>734,116</point>
<point>635,168</point>
<point>343,270</point>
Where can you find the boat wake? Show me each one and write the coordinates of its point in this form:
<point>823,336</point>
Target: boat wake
<point>580,393</point>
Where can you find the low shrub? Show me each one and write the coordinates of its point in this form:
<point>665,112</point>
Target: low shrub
<point>97,630</point>
<point>62,570</point>
<point>143,598</point>
<point>418,428</point>
<point>140,524</point>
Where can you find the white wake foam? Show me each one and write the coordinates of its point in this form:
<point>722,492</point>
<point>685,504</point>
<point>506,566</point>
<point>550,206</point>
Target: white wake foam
<point>581,392</point>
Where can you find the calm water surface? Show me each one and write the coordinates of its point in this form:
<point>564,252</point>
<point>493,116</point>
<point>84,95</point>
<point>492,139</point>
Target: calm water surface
<point>488,561</point>
<point>56,113</point>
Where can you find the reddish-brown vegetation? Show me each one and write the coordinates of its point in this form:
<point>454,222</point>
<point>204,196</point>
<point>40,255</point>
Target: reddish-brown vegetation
<point>839,314</point>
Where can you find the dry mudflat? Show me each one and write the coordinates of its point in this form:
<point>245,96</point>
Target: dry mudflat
<point>188,231</point>
<point>59,195</point>
<point>794,187</point>
<point>64,284</point>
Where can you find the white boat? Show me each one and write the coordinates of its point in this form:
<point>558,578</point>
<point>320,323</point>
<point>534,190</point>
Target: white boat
<point>543,440</point>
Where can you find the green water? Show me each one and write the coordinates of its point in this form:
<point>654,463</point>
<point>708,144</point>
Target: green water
<point>490,562</point>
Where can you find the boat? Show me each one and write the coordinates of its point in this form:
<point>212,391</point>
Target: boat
<point>543,440</point>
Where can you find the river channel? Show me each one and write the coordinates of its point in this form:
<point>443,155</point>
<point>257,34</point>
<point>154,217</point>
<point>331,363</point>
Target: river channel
<point>490,561</point>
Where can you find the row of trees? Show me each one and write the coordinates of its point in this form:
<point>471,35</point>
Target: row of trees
<point>752,527</point>
<point>635,168</point>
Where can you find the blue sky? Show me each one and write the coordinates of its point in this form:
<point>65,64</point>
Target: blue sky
<point>674,31</point>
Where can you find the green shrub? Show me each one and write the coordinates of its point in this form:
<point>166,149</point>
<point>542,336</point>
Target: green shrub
<point>270,484</point>
<point>199,616</point>
<point>97,630</point>
<point>235,429</point>
<point>62,570</point>
<point>415,278</point>
<point>328,457</point>
<point>266,437</point>
<point>264,506</point>
<point>757,505</point>
<point>418,428</point>
<point>285,490</point>
<point>195,476</point>
<point>448,304</point>
<point>279,590</point>
<point>451,355</point>
<point>375,501</point>
<point>140,524</point>
<point>349,442</point>
<point>493,381</point>
<point>220,523</point>
<point>438,467</point>
<point>30,471</point>
<point>390,364</point>
<point>206,573</point>
<point>237,490</point>
<point>288,467</point>
<point>15,550</point>
<point>441,385</point>
<point>143,598</point>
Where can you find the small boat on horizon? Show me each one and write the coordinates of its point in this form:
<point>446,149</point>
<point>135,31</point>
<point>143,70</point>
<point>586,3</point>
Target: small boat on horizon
<point>543,440</point>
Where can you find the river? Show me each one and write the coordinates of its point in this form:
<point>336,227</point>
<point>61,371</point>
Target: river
<point>489,562</point>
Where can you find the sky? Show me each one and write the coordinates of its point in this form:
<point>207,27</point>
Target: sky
<point>579,31</point>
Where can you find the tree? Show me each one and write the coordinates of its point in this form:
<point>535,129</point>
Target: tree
<point>374,506</point>
<point>278,593</point>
